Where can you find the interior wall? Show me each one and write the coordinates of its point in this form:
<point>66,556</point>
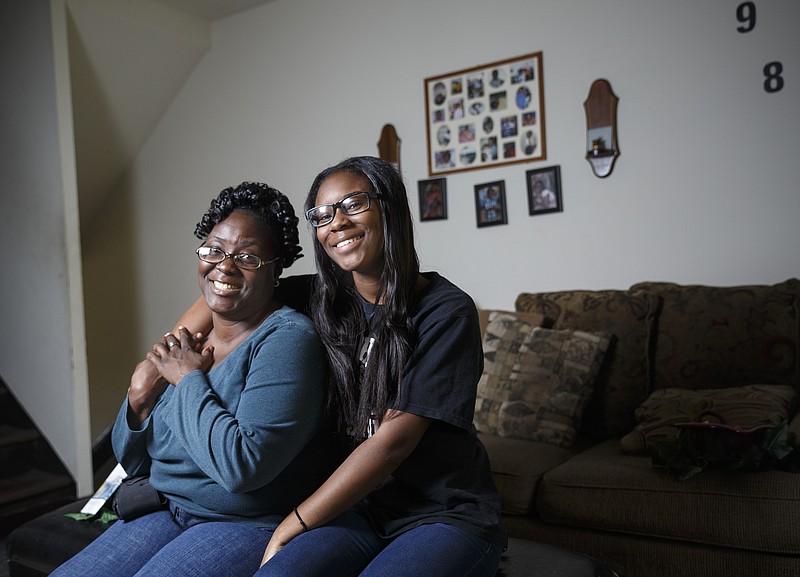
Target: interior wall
<point>42,345</point>
<point>127,60</point>
<point>112,313</point>
<point>705,191</point>
<point>120,53</point>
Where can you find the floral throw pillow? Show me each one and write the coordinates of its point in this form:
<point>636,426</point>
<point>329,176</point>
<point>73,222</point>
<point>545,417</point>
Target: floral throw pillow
<point>536,382</point>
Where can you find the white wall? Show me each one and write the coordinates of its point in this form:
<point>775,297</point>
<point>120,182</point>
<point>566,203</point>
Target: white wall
<point>707,189</point>
<point>42,344</point>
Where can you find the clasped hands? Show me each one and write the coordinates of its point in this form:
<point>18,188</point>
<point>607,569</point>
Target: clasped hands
<point>167,363</point>
<point>176,357</point>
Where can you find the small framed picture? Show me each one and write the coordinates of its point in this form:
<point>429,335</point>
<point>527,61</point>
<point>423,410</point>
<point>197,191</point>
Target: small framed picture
<point>544,190</point>
<point>490,203</point>
<point>432,199</point>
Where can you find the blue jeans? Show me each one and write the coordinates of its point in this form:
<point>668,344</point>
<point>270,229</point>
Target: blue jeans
<point>348,547</point>
<point>171,543</point>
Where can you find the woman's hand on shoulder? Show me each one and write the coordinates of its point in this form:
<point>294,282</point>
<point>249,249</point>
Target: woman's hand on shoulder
<point>175,359</point>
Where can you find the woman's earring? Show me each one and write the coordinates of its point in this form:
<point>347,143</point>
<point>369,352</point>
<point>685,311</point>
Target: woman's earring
<point>276,283</point>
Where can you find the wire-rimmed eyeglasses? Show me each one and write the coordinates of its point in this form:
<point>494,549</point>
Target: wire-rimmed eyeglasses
<point>243,260</point>
<point>353,203</point>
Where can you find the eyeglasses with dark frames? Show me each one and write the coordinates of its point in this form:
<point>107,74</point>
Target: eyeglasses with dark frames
<point>243,260</point>
<point>353,203</point>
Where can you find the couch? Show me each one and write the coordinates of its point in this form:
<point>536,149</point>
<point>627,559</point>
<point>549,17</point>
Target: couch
<point>570,434</point>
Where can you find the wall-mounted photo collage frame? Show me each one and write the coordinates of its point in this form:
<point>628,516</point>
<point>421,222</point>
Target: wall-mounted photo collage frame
<point>485,116</point>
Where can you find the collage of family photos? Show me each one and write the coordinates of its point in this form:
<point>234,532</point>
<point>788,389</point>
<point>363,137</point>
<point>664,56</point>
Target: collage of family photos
<point>485,116</point>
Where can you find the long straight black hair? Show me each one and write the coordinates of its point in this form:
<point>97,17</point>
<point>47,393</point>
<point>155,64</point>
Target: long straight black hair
<point>337,310</point>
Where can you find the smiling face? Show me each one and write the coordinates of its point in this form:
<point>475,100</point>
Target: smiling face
<point>353,242</point>
<point>231,292</point>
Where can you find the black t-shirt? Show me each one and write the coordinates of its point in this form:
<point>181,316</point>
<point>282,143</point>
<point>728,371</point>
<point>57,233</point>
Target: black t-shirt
<point>447,479</point>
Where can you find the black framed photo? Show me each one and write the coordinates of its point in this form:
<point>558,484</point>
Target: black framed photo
<point>544,190</point>
<point>432,199</point>
<point>486,116</point>
<point>490,203</point>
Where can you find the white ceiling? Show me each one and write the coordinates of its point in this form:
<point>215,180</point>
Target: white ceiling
<point>128,60</point>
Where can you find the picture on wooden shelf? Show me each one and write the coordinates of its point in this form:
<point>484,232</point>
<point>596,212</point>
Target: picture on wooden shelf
<point>544,190</point>
<point>490,203</point>
<point>432,199</point>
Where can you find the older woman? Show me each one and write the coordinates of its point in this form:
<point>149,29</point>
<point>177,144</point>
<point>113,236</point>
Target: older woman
<point>222,432</point>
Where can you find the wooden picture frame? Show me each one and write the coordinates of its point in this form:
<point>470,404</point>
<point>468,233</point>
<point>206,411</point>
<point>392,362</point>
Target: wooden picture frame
<point>432,199</point>
<point>486,116</point>
<point>490,203</point>
<point>544,190</point>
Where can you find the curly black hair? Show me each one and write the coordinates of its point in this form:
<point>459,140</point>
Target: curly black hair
<point>265,202</point>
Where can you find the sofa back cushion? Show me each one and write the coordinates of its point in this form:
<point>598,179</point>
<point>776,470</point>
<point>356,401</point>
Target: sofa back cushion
<point>623,381</point>
<point>717,337</point>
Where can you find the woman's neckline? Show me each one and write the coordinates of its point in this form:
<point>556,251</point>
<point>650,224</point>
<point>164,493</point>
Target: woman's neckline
<point>231,344</point>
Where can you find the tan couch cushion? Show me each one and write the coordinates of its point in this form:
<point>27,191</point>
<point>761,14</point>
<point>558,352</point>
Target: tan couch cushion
<point>623,382</point>
<point>517,467</point>
<point>605,489</point>
<point>536,382</point>
<point>745,406</point>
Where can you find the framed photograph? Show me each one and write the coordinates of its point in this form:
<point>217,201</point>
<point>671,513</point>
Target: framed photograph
<point>485,116</point>
<point>432,199</point>
<point>490,203</point>
<point>544,190</point>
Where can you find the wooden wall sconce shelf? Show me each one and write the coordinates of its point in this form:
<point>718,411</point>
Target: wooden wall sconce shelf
<point>389,146</point>
<point>602,148</point>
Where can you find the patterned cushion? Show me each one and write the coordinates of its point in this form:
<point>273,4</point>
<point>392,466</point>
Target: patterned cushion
<point>718,337</point>
<point>746,406</point>
<point>536,382</point>
<point>533,319</point>
<point>623,382</point>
